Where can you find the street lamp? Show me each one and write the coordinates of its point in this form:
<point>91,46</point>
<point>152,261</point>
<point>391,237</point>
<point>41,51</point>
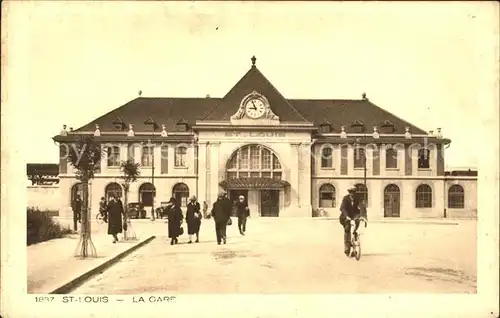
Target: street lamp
<point>363,141</point>
<point>152,123</point>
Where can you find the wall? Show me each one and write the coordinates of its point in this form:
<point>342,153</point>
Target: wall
<point>44,197</point>
<point>470,197</point>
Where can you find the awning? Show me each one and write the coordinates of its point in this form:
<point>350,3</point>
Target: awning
<point>254,183</point>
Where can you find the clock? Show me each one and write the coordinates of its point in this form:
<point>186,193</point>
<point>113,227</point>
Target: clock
<point>255,108</point>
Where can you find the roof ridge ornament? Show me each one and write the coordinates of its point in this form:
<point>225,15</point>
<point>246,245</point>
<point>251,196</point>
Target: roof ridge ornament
<point>254,59</point>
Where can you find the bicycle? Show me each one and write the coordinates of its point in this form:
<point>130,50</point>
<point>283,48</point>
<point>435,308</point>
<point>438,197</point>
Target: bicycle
<point>355,250</point>
<point>100,218</point>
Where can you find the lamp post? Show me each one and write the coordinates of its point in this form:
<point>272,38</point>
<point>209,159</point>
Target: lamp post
<point>151,122</point>
<point>363,141</point>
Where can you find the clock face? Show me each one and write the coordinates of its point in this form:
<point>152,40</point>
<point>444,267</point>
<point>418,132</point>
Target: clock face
<point>255,108</point>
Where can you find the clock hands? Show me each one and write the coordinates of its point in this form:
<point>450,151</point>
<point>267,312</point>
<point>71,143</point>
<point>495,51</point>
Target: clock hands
<point>254,107</point>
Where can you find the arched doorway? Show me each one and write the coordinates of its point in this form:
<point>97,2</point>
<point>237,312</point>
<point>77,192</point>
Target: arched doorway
<point>391,201</point>
<point>113,189</point>
<point>180,192</point>
<point>76,189</point>
<point>255,172</point>
<point>146,194</point>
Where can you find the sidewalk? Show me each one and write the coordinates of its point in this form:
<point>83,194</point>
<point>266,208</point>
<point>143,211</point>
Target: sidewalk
<point>52,264</point>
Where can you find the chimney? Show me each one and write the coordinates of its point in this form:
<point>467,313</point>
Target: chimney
<point>70,129</point>
<point>439,134</point>
<point>431,132</point>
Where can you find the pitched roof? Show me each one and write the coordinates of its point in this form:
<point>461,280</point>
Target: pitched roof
<point>170,111</point>
<point>345,112</point>
<point>255,80</point>
<point>164,111</point>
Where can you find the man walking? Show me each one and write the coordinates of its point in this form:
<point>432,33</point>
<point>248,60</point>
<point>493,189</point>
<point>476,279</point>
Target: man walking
<point>349,210</point>
<point>221,214</point>
<point>242,212</point>
<point>76,206</point>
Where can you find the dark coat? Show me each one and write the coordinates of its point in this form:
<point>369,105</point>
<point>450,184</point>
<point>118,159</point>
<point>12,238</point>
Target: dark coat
<point>175,217</point>
<point>115,212</point>
<point>349,207</point>
<point>242,210</point>
<point>76,205</point>
<point>221,210</point>
<point>193,223</point>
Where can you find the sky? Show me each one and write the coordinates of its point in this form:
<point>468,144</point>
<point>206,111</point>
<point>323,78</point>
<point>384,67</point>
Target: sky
<point>70,62</point>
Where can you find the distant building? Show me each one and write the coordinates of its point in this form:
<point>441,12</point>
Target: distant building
<point>286,156</point>
<point>42,173</point>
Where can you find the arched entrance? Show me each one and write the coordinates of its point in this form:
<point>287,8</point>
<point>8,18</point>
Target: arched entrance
<point>113,189</point>
<point>76,189</point>
<point>180,192</point>
<point>146,194</point>
<point>391,201</point>
<point>255,172</point>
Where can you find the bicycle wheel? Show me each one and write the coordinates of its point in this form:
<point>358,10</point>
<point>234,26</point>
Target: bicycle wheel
<point>357,249</point>
<point>99,218</point>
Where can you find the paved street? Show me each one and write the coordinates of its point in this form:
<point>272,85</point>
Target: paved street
<point>300,256</point>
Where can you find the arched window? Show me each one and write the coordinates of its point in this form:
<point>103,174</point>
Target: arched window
<point>113,156</point>
<point>146,194</point>
<point>391,158</point>
<point>113,189</point>
<point>253,161</point>
<point>180,156</point>
<point>362,192</point>
<point>327,157</point>
<point>327,196</point>
<point>76,189</point>
<point>423,196</point>
<point>180,192</point>
<point>456,198</point>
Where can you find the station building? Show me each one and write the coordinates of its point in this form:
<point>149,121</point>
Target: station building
<point>288,157</point>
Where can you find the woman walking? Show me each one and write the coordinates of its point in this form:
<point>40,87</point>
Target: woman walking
<point>193,219</point>
<point>175,218</point>
<point>115,212</point>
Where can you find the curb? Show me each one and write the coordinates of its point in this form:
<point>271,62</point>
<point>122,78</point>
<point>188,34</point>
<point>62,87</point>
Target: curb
<point>68,287</point>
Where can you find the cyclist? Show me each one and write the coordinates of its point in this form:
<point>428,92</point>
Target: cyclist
<point>349,211</point>
<point>103,208</point>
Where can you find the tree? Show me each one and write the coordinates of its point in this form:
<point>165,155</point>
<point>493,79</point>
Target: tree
<point>85,156</point>
<point>130,172</point>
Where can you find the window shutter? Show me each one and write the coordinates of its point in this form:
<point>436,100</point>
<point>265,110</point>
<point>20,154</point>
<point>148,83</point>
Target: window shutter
<point>440,160</point>
<point>343,160</point>
<point>164,159</point>
<point>131,152</point>
<point>376,161</point>
<point>63,159</point>
<point>408,163</point>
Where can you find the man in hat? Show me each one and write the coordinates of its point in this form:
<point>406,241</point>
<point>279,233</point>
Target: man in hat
<point>221,212</point>
<point>349,211</point>
<point>242,211</point>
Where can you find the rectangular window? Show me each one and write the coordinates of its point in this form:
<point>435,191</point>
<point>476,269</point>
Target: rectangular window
<point>244,159</point>
<point>276,163</point>
<point>266,174</point>
<point>113,156</point>
<point>254,174</point>
<point>266,159</point>
<point>180,156</point>
<point>147,156</point>
<point>423,159</point>
<point>254,158</point>
<point>327,200</point>
<point>326,158</point>
<point>391,158</point>
<point>231,175</point>
<point>359,158</point>
<point>277,175</point>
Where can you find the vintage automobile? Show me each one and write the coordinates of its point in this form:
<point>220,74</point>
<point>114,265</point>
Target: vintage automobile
<point>161,211</point>
<point>136,210</point>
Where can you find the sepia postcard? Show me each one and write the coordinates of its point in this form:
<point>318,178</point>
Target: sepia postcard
<point>250,159</point>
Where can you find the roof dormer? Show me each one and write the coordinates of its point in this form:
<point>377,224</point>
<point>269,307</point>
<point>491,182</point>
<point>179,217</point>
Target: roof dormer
<point>388,127</point>
<point>181,126</point>
<point>118,124</point>
<point>325,127</point>
<point>358,126</point>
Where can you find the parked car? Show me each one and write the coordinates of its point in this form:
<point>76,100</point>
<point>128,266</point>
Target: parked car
<point>136,210</point>
<point>161,211</point>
